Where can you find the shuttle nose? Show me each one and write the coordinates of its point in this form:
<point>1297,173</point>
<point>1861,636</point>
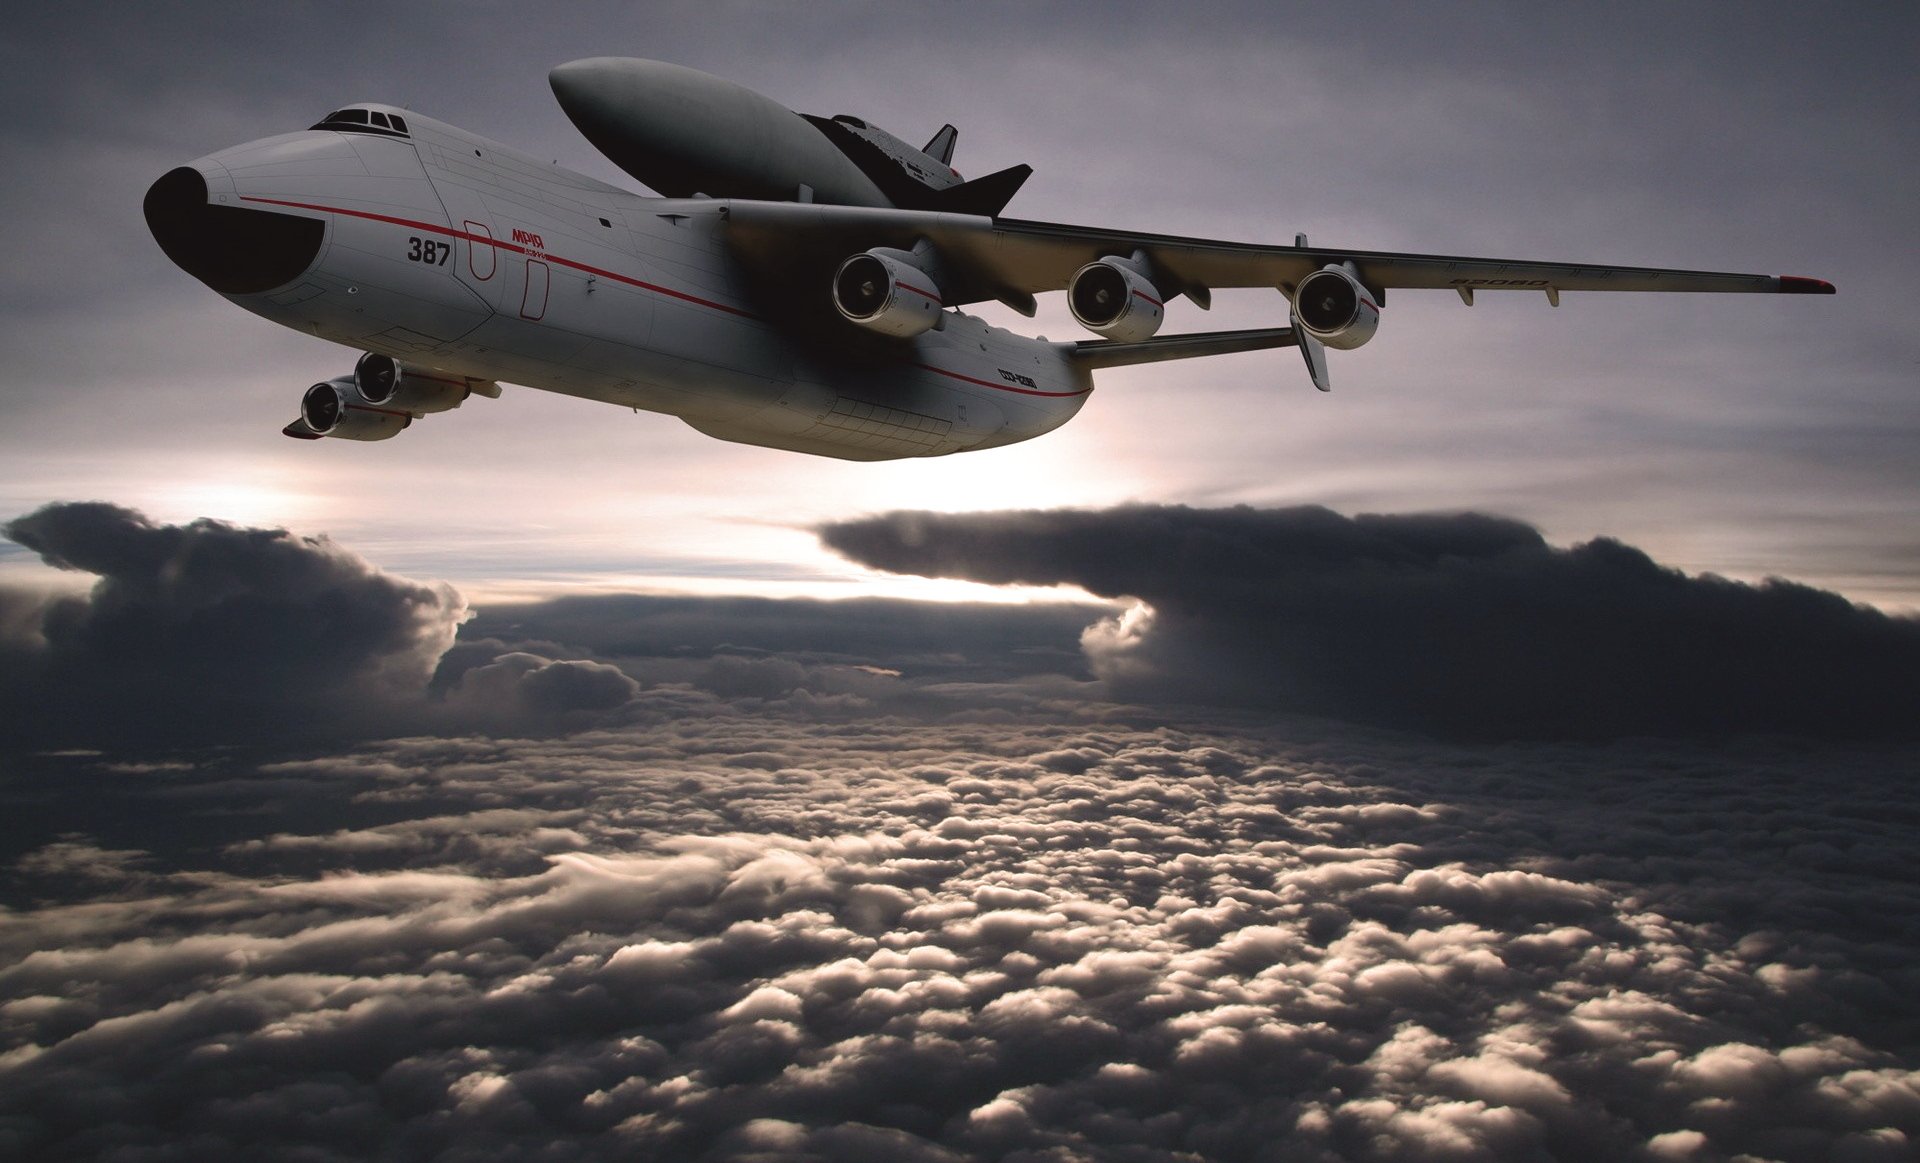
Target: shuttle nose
<point>235,251</point>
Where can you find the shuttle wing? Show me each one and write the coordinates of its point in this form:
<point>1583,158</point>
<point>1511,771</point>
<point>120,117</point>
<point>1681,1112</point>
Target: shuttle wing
<point>1011,260</point>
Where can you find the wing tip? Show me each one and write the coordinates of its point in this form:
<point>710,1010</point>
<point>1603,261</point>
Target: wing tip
<point>1796,285</point>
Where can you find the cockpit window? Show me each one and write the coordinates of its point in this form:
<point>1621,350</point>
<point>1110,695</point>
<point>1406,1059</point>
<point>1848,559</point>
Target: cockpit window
<point>368,121</point>
<point>846,119</point>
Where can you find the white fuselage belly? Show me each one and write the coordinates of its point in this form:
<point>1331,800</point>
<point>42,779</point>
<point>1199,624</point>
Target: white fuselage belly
<point>457,252</point>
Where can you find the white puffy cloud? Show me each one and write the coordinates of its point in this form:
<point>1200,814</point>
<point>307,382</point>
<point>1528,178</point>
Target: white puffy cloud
<point>958,936</point>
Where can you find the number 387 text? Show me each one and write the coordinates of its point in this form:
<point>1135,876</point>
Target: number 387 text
<point>426,250</point>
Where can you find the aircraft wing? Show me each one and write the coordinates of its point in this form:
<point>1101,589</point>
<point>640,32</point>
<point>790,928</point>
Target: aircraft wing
<point>1011,260</point>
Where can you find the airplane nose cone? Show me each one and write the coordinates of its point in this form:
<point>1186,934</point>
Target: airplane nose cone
<point>233,250</point>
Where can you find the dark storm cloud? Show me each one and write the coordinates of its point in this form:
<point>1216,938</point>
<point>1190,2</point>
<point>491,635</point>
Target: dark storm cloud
<point>1461,624</point>
<point>975,938</point>
<point>209,632</point>
<point>213,633</point>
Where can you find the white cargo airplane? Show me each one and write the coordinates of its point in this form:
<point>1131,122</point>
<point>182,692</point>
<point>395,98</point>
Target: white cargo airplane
<point>796,287</point>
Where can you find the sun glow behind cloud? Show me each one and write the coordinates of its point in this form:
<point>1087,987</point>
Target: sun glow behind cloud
<point>492,497</point>
<point>487,497</point>
<point>238,502</point>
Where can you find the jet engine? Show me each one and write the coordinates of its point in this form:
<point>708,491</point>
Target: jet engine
<point>335,408</point>
<point>1109,297</point>
<point>883,293</point>
<point>382,396</point>
<point>1333,306</point>
<point>386,382</point>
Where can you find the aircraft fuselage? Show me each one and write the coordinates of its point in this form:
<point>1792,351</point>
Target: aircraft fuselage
<point>450,251</point>
<point>798,288</point>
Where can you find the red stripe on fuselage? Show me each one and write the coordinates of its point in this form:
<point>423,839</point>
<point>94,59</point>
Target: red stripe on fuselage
<point>940,371</point>
<point>488,239</point>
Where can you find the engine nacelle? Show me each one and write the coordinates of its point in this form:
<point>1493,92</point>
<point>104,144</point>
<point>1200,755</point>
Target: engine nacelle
<point>385,382</point>
<point>1110,298</point>
<point>883,294</point>
<point>335,408</point>
<point>1335,308</point>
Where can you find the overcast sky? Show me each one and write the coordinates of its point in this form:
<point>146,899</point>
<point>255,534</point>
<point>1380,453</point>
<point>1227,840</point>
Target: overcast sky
<point>1743,435</point>
<point>507,790</point>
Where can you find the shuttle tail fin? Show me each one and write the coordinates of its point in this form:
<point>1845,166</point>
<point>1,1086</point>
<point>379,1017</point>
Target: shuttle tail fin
<point>940,148</point>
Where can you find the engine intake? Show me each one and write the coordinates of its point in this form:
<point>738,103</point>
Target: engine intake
<point>1110,298</point>
<point>386,382</point>
<point>883,294</point>
<point>1334,307</point>
<point>334,408</point>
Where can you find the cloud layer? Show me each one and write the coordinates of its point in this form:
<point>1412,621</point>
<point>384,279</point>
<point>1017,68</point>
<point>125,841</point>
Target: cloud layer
<point>744,880</point>
<point>213,633</point>
<point>737,933</point>
<point>1462,625</point>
